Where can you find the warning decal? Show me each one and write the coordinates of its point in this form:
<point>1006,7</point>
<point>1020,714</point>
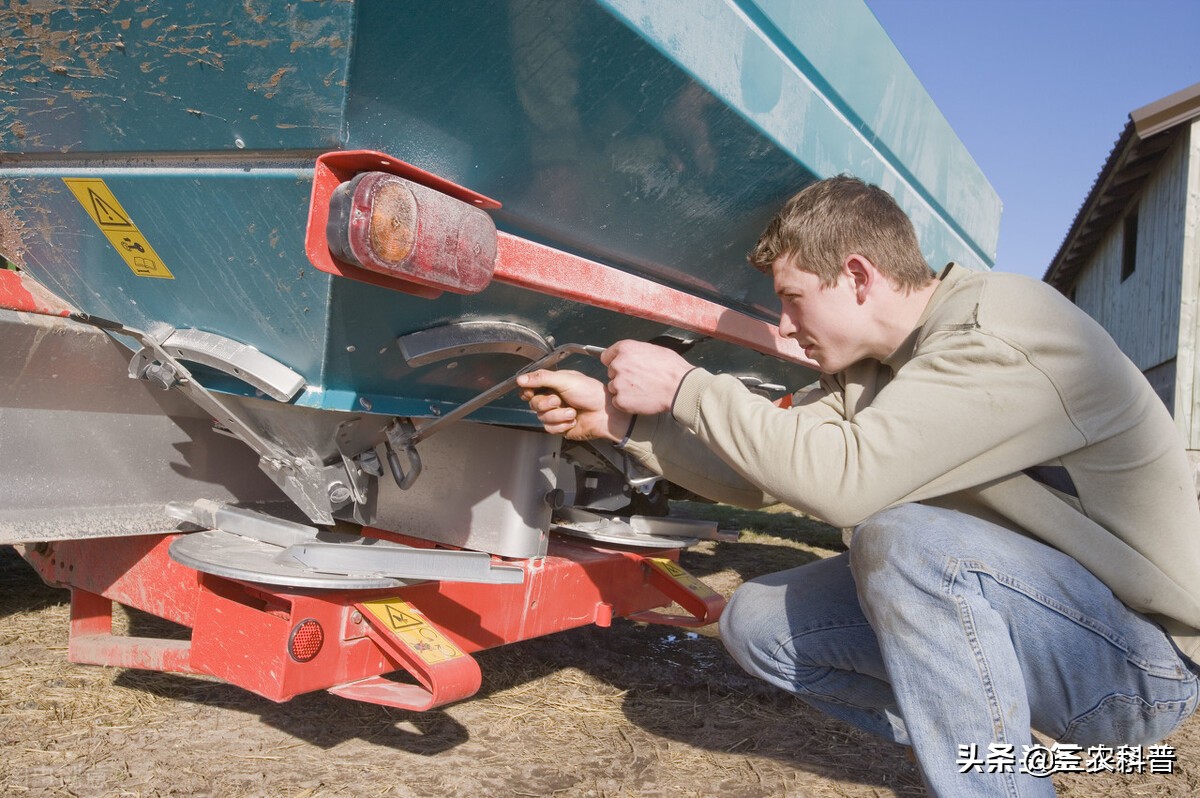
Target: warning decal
<point>676,572</point>
<point>100,204</point>
<point>411,628</point>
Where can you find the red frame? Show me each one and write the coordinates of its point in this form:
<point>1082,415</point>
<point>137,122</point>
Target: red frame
<point>18,292</point>
<point>241,631</point>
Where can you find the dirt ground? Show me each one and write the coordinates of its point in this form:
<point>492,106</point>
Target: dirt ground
<point>631,710</point>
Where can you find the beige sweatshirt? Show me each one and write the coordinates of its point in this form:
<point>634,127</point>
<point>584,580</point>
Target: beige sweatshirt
<point>1000,374</point>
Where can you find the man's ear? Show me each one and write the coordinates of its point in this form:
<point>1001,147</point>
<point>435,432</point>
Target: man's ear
<point>862,273</point>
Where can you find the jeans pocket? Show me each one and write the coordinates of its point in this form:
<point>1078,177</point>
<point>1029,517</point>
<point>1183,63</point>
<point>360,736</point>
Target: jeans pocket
<point>1129,720</point>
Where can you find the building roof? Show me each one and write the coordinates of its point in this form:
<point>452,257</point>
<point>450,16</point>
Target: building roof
<point>1150,131</point>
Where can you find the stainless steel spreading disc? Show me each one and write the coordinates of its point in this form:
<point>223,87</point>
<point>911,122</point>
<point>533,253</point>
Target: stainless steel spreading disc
<point>236,557</point>
<point>637,530</point>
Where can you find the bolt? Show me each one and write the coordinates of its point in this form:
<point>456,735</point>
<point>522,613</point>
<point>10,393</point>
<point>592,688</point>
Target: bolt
<point>356,616</point>
<point>556,498</point>
<point>339,494</point>
<point>364,402</point>
<point>162,376</point>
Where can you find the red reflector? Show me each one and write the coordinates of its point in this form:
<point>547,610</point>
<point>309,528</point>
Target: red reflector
<point>305,640</point>
<point>386,224</point>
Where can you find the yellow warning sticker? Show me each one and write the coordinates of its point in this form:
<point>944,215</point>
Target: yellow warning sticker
<point>413,630</point>
<point>118,227</point>
<point>676,572</point>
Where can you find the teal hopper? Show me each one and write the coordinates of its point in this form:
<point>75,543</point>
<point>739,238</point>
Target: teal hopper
<point>327,230</point>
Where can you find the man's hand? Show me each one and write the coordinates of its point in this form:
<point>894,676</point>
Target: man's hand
<point>643,378</point>
<point>573,405</point>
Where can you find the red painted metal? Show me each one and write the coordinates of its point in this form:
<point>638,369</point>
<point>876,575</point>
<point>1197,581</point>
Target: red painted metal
<point>93,643</point>
<point>20,292</point>
<point>539,268</point>
<point>241,632</point>
<point>702,602</point>
<point>334,168</point>
<point>444,672</point>
<point>550,271</point>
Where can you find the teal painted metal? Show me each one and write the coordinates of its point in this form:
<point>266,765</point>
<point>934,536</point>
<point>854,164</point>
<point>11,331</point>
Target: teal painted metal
<point>655,137</point>
<point>156,76</point>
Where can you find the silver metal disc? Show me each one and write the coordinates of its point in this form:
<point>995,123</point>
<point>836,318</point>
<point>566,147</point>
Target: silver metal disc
<point>636,531</point>
<point>236,557</point>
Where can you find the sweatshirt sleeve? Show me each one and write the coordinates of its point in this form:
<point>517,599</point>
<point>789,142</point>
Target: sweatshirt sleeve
<point>660,444</point>
<point>968,408</point>
<point>665,447</point>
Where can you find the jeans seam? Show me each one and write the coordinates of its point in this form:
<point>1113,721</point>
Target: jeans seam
<point>793,677</point>
<point>1084,621</point>
<point>1179,707</point>
<point>951,575</point>
<point>950,578</point>
<point>783,645</point>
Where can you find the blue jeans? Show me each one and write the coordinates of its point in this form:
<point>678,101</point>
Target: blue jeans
<point>939,630</point>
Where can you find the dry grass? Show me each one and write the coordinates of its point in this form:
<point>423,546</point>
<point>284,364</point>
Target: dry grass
<point>628,711</point>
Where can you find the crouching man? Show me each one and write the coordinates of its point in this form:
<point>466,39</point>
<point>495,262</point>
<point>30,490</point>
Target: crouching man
<point>1026,535</point>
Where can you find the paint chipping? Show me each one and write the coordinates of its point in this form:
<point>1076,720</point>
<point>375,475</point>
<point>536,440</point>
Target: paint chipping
<point>25,222</point>
<point>270,86</point>
<point>233,40</point>
<point>12,229</point>
<point>253,13</point>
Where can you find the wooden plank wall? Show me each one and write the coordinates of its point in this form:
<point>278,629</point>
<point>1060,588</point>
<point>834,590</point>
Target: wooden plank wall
<point>1154,315</point>
<point>1142,313</point>
<point>1187,385</point>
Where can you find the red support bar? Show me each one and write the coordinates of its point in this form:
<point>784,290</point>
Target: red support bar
<point>539,268</point>
<point>445,672</point>
<point>704,603</point>
<point>93,643</point>
<point>550,271</point>
<point>18,292</point>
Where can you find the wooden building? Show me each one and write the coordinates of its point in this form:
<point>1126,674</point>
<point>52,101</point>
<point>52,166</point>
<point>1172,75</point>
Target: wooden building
<point>1132,256</point>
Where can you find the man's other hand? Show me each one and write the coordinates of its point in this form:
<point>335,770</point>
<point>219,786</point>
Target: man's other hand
<point>643,378</point>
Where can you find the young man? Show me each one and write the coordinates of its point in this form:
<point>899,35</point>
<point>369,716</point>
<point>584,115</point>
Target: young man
<point>1026,534</point>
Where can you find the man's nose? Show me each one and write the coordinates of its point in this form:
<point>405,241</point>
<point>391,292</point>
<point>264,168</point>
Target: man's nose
<point>786,328</point>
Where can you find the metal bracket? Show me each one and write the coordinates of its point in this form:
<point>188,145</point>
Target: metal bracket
<point>444,671</point>
<point>316,489</point>
<point>223,354</point>
<point>452,340</point>
<point>471,338</point>
<point>174,374</point>
<point>766,389</point>
<point>404,562</point>
<point>634,475</point>
<point>641,531</point>
<point>704,603</point>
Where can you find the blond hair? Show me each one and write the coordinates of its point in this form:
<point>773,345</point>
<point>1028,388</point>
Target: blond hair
<point>834,218</point>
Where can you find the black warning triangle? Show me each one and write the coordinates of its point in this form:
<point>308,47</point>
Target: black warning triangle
<point>105,214</point>
<point>398,620</point>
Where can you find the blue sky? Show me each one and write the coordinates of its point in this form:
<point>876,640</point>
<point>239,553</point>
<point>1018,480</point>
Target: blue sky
<point>1039,90</point>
